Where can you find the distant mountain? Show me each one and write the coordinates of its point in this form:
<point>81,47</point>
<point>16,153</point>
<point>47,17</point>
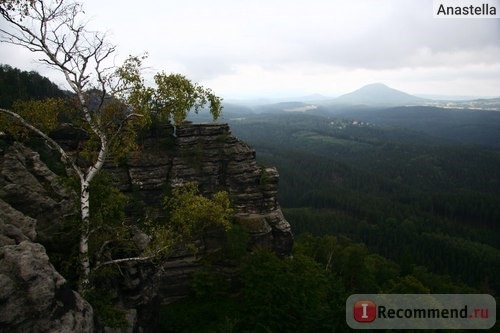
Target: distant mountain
<point>258,102</point>
<point>314,98</point>
<point>378,94</point>
<point>285,107</point>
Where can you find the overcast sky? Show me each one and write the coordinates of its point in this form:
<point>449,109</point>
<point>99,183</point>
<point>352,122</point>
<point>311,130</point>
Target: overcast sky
<point>279,48</point>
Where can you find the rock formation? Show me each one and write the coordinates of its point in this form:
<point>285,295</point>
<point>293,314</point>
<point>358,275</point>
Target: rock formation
<point>210,156</point>
<point>34,297</point>
<point>33,204</point>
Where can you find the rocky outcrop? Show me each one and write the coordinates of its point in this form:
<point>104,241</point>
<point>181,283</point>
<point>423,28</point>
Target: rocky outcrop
<point>210,156</point>
<point>30,187</point>
<point>33,205</point>
<point>34,297</point>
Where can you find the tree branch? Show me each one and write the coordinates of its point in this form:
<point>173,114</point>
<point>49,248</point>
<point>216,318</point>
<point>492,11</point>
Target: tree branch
<point>122,124</point>
<point>119,261</point>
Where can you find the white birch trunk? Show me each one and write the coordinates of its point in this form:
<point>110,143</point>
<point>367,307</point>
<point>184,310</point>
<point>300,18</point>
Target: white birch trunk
<point>85,212</point>
<point>84,234</point>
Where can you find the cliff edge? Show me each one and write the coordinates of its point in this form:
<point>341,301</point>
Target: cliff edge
<point>33,203</point>
<point>210,156</point>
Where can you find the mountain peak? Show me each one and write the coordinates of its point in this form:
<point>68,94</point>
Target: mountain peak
<point>378,94</point>
<point>376,85</point>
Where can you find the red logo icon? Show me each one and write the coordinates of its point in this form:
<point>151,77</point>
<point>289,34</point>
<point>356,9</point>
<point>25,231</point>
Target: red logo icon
<point>365,311</point>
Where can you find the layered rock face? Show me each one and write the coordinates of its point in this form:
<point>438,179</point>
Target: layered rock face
<point>34,297</point>
<point>210,156</point>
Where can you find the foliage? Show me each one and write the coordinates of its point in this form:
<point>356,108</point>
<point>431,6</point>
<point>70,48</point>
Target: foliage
<point>288,295</point>
<point>196,315</point>
<point>408,285</point>
<point>206,284</point>
<point>192,215</point>
<point>103,304</point>
<point>111,235</point>
<point>107,206</point>
<point>264,178</point>
<point>21,6</point>
<point>43,113</point>
<point>111,240</point>
<point>211,306</point>
<point>170,101</point>
<point>236,245</point>
<point>176,95</point>
<point>302,293</point>
<point>279,295</point>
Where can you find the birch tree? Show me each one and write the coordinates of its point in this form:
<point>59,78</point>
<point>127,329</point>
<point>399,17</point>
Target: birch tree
<point>110,101</point>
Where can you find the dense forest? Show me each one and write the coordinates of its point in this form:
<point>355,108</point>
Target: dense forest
<point>17,85</point>
<point>407,196</point>
<point>375,208</point>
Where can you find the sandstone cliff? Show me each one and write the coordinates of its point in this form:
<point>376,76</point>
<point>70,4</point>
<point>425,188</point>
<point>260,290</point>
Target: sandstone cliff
<point>33,204</point>
<point>210,156</point>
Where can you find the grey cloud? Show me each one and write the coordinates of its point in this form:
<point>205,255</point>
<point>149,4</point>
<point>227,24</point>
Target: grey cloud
<point>392,43</point>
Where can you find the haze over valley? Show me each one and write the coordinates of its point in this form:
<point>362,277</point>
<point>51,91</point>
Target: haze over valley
<point>374,95</point>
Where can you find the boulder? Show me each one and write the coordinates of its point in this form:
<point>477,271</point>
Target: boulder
<point>34,297</point>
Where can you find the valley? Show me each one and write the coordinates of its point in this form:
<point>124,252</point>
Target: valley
<point>430,173</point>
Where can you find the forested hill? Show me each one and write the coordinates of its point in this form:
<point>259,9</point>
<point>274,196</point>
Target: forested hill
<point>408,196</point>
<point>21,85</point>
<point>378,94</point>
